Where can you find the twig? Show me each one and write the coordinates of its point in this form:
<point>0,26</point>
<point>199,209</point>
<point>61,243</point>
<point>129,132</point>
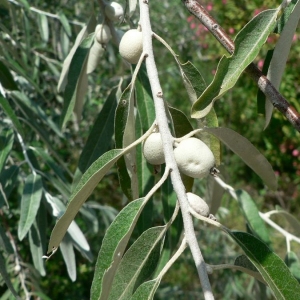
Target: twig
<point>262,81</point>
<point>167,139</point>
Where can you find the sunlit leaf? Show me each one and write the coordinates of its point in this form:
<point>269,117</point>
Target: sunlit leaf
<point>95,54</point>
<point>74,89</point>
<point>84,188</point>
<point>43,27</point>
<point>136,265</point>
<point>131,7</point>
<point>30,203</point>
<point>251,214</point>
<point>273,270</point>
<point>65,23</point>
<point>89,28</point>
<point>113,246</point>
<point>147,290</point>
<point>247,152</point>
<point>247,45</point>
<point>67,250</point>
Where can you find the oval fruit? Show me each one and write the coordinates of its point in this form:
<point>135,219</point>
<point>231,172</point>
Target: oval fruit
<point>131,45</point>
<point>153,149</point>
<point>198,204</point>
<point>114,11</point>
<point>194,158</point>
<point>102,34</point>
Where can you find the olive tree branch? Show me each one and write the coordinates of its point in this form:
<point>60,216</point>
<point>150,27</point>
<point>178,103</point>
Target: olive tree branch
<point>167,139</point>
<point>264,84</point>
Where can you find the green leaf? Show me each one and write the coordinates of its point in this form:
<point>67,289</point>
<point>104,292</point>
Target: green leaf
<point>67,250</point>
<point>89,28</point>
<point>100,137</point>
<point>247,45</point>
<point>193,81</point>
<point>6,143</point>
<point>251,214</point>
<point>5,277</point>
<point>11,114</point>
<point>138,263</point>
<point>280,55</point>
<point>285,16</point>
<point>247,152</point>
<point>113,246</point>
<point>8,179</point>
<point>147,290</point>
<point>243,261</point>
<point>30,203</point>
<point>273,270</point>
<point>6,79</point>
<point>292,261</point>
<point>65,23</point>
<point>83,190</point>
<point>293,221</point>
<point>36,248</point>
<point>43,27</point>
<point>73,87</point>
<point>122,123</point>
<point>5,244</point>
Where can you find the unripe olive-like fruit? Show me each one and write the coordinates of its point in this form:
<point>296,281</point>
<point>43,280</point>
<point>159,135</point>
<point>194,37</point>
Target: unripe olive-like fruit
<point>194,158</point>
<point>198,204</point>
<point>102,34</point>
<point>153,149</point>
<point>131,45</point>
<point>114,11</point>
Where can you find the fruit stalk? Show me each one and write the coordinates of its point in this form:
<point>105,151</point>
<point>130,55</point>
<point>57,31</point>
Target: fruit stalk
<point>167,139</point>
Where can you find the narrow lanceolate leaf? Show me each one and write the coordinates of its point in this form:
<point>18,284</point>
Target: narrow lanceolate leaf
<point>100,137</point>
<point>67,251</point>
<point>74,88</point>
<point>131,7</point>
<point>147,290</point>
<point>280,55</point>
<point>65,23</point>
<point>30,203</point>
<point>5,276</point>
<point>123,121</point>
<point>5,244</point>
<point>90,27</point>
<point>6,142</point>
<point>8,179</point>
<point>294,222</point>
<point>251,214</point>
<point>83,190</point>
<point>43,27</point>
<point>138,263</point>
<point>292,261</point>
<point>36,248</point>
<point>113,246</point>
<point>247,152</point>
<point>11,114</point>
<point>193,81</point>
<point>273,270</point>
<point>247,45</point>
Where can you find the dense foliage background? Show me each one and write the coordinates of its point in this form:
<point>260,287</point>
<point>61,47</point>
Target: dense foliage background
<point>35,38</point>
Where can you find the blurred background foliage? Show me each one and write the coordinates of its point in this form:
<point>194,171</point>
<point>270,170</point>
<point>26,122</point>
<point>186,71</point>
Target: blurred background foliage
<point>34,40</point>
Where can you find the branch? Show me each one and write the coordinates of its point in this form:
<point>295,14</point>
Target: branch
<point>167,139</point>
<point>262,81</point>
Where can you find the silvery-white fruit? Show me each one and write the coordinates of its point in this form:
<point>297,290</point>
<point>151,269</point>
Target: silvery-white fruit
<point>102,34</point>
<point>114,11</point>
<point>131,45</point>
<point>198,204</point>
<point>194,158</point>
<point>153,149</point>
